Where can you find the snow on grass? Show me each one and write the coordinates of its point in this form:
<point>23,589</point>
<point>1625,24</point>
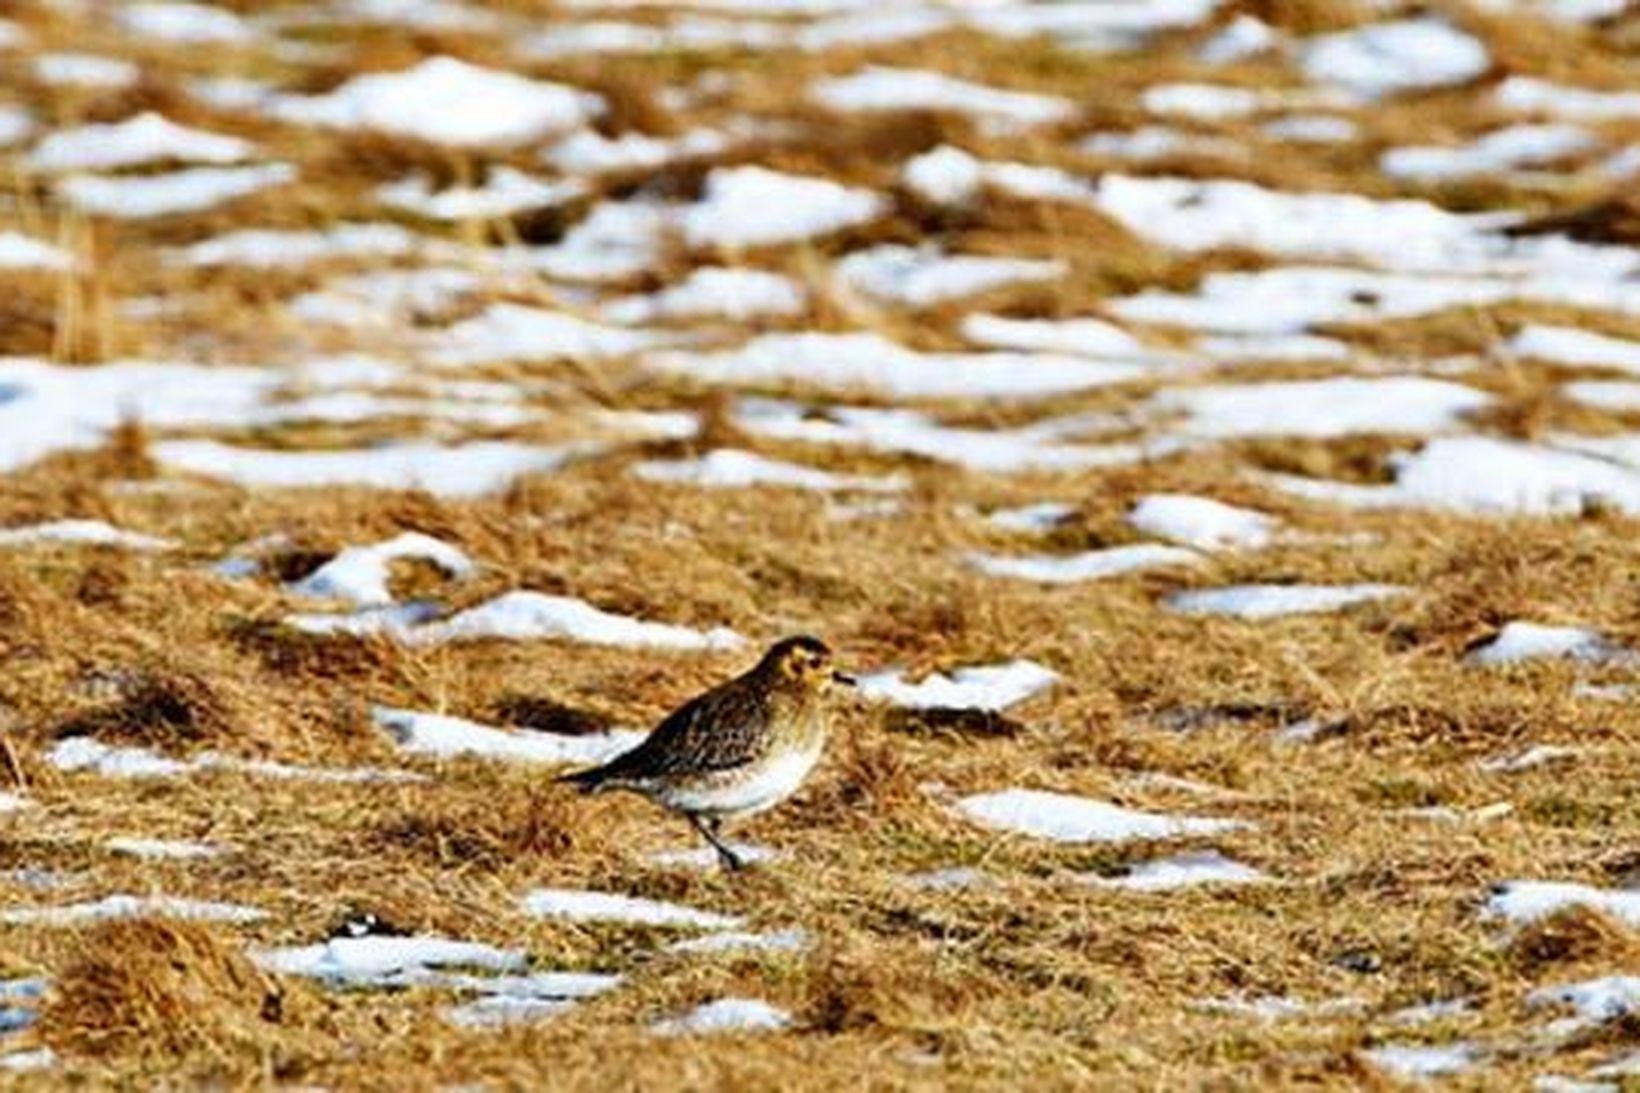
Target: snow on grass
<point>461,470</point>
<point>384,961</point>
<point>1416,1062</point>
<point>1312,129</point>
<point>495,108</point>
<point>505,1011</point>
<point>28,1061</point>
<point>12,802</point>
<point>1202,101</point>
<point>1334,407</point>
<point>140,197</point>
<point>1538,755</point>
<point>588,152</point>
<point>877,88</point>
<point>16,125</point>
<point>504,192</point>
<point>387,298</point>
<point>740,941</point>
<point>1035,519</point>
<point>1268,601</point>
<point>1486,476</point>
<point>80,533</point>
<point>447,737</point>
<point>580,905</point>
<point>866,361</point>
<point>189,24</point>
<point>1529,95</point>
<point>506,331</point>
<point>1149,142</point>
<point>984,687</point>
<point>89,70</point>
<point>166,849</point>
<point>1388,58</point>
<point>360,574</point>
<point>1524,901</point>
<point>1181,871</point>
<point>125,906</point>
<point>1519,641</point>
<point>1275,1007</point>
<point>1495,153</point>
<point>1065,818</point>
<point>1244,36</point>
<point>714,292</point>
<point>950,176</point>
<point>1593,1001</point>
<point>924,276</point>
<point>138,141</point>
<point>950,879</point>
<point>1200,522</point>
<point>617,240</point>
<point>1084,337</point>
<point>754,207</point>
<point>705,857</point>
<point>18,251</point>
<point>536,615</point>
<point>1609,395</point>
<point>83,754</point>
<point>725,1015</point>
<point>727,468</point>
<point>1091,565</point>
<point>260,248</point>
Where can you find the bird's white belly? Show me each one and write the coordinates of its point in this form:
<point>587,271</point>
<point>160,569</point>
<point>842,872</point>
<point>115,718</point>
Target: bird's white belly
<point>760,787</point>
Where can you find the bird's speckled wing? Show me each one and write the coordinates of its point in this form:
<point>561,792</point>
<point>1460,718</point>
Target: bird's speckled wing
<point>719,730</point>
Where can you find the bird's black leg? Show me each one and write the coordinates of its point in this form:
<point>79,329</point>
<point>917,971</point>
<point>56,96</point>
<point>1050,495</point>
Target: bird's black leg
<point>709,831</point>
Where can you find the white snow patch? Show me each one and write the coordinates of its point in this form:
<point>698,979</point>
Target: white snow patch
<point>1519,641</point>
<point>1415,1062</point>
<point>82,753</point>
<point>140,197</point>
<point>81,533</point>
<point>1037,518</point>
<point>169,849</point>
<point>1529,95</point>
<point>706,857</point>
<point>1065,818</point>
<point>728,468</point>
<point>588,152</point>
<point>531,615</point>
<point>877,89</point>
<point>924,276</point>
<point>1593,1000</point>
<point>1495,153</point>
<point>1539,755</point>
<point>1267,601</point>
<point>12,802</point>
<point>947,880</point>
<point>18,251</point>
<point>359,574</point>
<point>138,141</point>
<point>1524,901</point>
<point>193,24</point>
<point>262,249</point>
<point>1622,397</point>
<point>506,331</point>
<point>1387,58</point>
<point>505,191</point>
<point>726,1015</point>
<point>446,737</point>
<point>1334,407</point>
<point>382,961</point>
<point>124,906</point>
<point>1181,871</point>
<point>618,239</point>
<point>580,905</point>
<point>754,207</point>
<point>1086,337</point>
<point>1312,129</point>
<point>1091,565</point>
<point>1244,36</point>
<point>463,470</point>
<point>714,292</point>
<point>1200,522</point>
<point>983,687</point>
<point>85,70</point>
<point>495,108</point>
<point>740,941</point>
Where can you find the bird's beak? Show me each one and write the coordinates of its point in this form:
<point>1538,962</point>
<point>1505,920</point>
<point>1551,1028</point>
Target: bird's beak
<point>845,679</point>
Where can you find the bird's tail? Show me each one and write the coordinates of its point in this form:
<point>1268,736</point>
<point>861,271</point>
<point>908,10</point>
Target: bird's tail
<point>587,781</point>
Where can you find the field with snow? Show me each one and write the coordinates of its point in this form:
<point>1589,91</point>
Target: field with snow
<point>1210,430</point>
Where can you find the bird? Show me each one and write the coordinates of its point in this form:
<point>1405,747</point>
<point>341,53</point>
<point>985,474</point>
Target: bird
<point>737,749</point>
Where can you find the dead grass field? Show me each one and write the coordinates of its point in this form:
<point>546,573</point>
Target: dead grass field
<point>1035,979</point>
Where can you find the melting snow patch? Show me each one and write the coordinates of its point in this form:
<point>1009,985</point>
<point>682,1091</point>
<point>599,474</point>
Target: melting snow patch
<point>196,24</point>
<point>464,470</point>
<point>1539,755</point>
<point>24,1062</point>
<point>705,857</point>
<point>1524,902</point>
<point>1413,1062</point>
<point>497,108</point>
<point>505,1011</point>
<point>261,248</point>
<point>1495,153</point>
<point>726,1015</point>
<point>506,191</point>
<point>1181,871</point>
<point>145,139</point>
<point>85,70</point>
<point>446,737</point>
<point>82,753</point>
<point>1266,601</point>
<point>588,152</point>
<point>359,574</point>
<point>1090,565</point>
<point>1593,1000</point>
<point>714,292</point>
<point>872,362</point>
<point>579,905</point>
<point>139,197</point>
<point>1341,406</point>
<point>170,849</point>
<point>727,468</point>
<point>1527,95</point>
<point>1272,1007</point>
<point>912,89</point>
<point>120,907</point>
<point>754,206</point>
<point>738,941</point>
<point>1614,395</point>
<point>1065,818</point>
<point>526,615</point>
<point>1041,517</point>
<point>1387,58</point>
<point>518,332</point>
<point>923,276</point>
<point>985,687</point>
<point>21,252</point>
<point>1519,641</point>
<point>384,961</point>
<point>81,533</point>
<point>947,880</point>
<point>1200,522</point>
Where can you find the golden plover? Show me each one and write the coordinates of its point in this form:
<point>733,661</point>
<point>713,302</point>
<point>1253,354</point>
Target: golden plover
<point>742,747</point>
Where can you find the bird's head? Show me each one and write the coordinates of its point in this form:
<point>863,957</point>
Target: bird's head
<point>804,663</point>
